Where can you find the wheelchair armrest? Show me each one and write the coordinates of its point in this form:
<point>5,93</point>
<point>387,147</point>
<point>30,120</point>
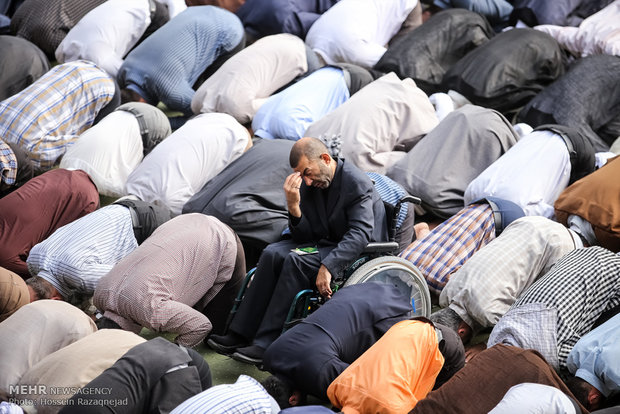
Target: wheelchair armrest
<point>410,199</point>
<point>381,247</point>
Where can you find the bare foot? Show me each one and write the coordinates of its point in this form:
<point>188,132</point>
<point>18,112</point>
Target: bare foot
<point>421,230</point>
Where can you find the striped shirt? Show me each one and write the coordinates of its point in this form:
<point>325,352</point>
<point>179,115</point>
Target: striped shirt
<point>246,396</point>
<point>51,113</point>
<point>451,244</point>
<point>390,192</point>
<point>165,66</point>
<point>8,164</point>
<point>78,254</point>
<point>580,287</point>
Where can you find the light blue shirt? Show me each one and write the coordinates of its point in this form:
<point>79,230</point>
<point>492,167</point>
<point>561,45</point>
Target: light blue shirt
<point>289,113</point>
<point>595,358</point>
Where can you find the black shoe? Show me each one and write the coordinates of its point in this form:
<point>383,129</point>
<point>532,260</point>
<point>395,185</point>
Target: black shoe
<point>106,323</point>
<point>226,344</point>
<point>252,354</point>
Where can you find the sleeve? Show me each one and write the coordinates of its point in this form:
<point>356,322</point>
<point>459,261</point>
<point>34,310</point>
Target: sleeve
<point>360,221</point>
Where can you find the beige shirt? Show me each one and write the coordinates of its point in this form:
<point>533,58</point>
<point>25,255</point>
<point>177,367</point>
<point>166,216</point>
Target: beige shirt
<point>385,114</point>
<point>243,83</point>
<point>58,376</point>
<point>35,331</point>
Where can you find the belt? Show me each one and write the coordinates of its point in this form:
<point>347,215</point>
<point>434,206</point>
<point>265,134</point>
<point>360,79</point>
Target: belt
<point>144,129</point>
<point>134,218</point>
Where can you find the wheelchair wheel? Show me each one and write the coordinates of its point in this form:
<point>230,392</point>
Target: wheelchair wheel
<point>402,274</point>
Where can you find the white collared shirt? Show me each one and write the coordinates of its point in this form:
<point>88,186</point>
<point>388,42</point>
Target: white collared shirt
<point>185,161</point>
<point>106,33</point>
<point>531,174</point>
<point>108,152</point>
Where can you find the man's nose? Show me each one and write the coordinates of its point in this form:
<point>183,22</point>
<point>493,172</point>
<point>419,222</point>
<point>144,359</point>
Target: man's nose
<point>308,181</point>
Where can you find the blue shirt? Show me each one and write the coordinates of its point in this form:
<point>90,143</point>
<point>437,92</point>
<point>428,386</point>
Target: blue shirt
<point>595,358</point>
<point>165,66</point>
<point>287,114</point>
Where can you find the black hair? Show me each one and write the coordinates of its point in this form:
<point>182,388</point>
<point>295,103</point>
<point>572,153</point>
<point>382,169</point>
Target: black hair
<point>447,317</point>
<point>310,148</point>
<point>280,390</point>
<point>580,389</point>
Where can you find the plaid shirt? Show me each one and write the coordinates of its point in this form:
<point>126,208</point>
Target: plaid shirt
<point>51,113</point>
<point>580,287</point>
<point>451,244</point>
<point>8,164</point>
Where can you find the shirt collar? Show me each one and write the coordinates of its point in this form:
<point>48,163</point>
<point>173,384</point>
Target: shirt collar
<point>8,164</point>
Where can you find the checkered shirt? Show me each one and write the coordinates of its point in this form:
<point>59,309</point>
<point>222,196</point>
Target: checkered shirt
<point>451,244</point>
<point>581,286</point>
<point>51,113</point>
<point>8,164</point>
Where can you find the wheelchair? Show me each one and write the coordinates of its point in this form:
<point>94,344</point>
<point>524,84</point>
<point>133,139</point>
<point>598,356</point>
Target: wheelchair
<point>377,263</point>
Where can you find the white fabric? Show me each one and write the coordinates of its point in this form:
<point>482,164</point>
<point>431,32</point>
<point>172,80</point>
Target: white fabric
<point>485,287</point>
<point>582,227</point>
<point>245,81</point>
<point>443,104</point>
<point>531,174</point>
<point>108,152</point>
<point>357,31</point>
<point>522,129</point>
<point>601,158</point>
<point>534,398</point>
<point>185,161</point>
<point>106,33</point>
<point>597,34</point>
<point>174,6</point>
<point>382,116</point>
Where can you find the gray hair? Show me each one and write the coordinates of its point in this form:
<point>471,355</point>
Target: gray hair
<point>447,317</point>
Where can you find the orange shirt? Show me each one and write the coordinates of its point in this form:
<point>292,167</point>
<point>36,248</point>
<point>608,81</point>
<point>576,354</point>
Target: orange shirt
<point>393,374</point>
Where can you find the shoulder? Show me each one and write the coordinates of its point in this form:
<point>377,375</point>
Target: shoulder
<point>353,177</point>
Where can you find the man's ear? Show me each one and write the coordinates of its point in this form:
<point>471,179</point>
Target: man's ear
<point>295,398</point>
<point>595,398</point>
<point>464,331</point>
<point>326,158</point>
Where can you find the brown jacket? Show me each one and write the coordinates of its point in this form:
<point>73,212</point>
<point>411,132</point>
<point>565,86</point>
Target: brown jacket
<point>596,199</point>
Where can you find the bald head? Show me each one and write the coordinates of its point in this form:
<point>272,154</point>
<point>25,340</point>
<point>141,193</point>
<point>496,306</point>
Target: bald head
<point>311,148</point>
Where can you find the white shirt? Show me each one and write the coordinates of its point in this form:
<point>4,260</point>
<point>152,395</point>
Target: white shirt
<point>597,34</point>
<point>245,81</point>
<point>185,161</point>
<point>531,174</point>
<point>357,31</point>
<point>106,33</point>
<point>244,396</point>
<point>108,152</point>
<point>534,398</point>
